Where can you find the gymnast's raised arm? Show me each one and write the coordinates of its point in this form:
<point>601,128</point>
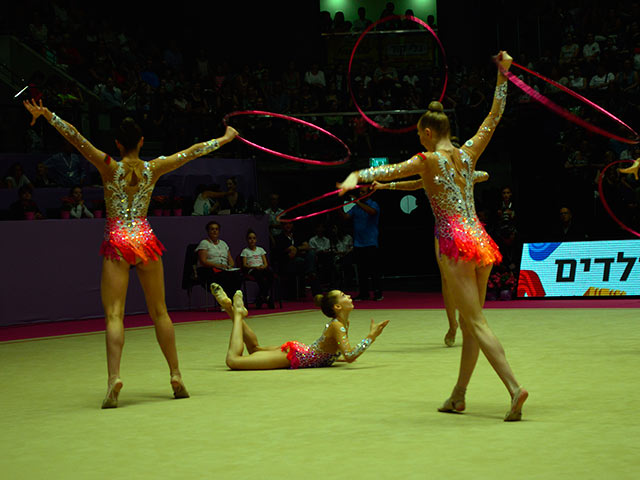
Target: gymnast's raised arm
<point>413,166</point>
<point>476,145</point>
<point>68,131</point>
<point>167,164</point>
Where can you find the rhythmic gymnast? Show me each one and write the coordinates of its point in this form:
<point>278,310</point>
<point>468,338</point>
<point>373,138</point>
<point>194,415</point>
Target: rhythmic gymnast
<point>466,251</point>
<point>129,240</point>
<point>333,345</point>
<point>449,307</point>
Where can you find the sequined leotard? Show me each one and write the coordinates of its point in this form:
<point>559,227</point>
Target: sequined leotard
<point>127,233</point>
<point>448,179</point>
<point>127,191</point>
<point>313,356</point>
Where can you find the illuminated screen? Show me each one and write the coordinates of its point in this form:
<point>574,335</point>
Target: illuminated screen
<point>377,161</point>
<point>576,269</point>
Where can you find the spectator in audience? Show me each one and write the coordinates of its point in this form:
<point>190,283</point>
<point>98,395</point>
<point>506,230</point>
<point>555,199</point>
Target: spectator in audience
<point>602,80</point>
<point>294,258</point>
<point>577,81</point>
<point>256,267</point>
<point>365,215</point>
<point>340,25</point>
<point>389,10</point>
<point>324,255</point>
<point>506,213</point>
<point>565,228</point>
<point>78,207</point>
<point>291,80</point>
<point>110,94</point>
<point>627,80</point>
<point>206,202</point>
<point>42,178</point>
<point>66,166</point>
<point>16,178</point>
<point>569,50</point>
<point>342,246</point>
<point>25,207</point>
<point>275,227</point>
<point>362,22</point>
<point>215,263</point>
<point>314,77</point>
<point>591,49</point>
<point>233,201</point>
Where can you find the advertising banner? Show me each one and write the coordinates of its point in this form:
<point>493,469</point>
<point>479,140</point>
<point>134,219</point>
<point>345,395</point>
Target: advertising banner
<point>566,269</point>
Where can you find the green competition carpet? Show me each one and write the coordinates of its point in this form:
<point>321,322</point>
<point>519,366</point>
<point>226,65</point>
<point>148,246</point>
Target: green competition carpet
<point>373,419</point>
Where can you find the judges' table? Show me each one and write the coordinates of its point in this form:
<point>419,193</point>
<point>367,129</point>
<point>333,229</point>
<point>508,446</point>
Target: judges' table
<point>51,268</point>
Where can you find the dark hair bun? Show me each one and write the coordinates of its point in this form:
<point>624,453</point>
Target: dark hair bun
<point>436,106</point>
<point>129,133</point>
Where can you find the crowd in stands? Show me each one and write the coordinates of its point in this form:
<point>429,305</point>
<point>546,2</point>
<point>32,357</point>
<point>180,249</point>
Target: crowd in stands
<point>181,93</point>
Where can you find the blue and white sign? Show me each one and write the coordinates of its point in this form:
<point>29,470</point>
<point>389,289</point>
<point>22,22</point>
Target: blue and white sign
<point>601,268</point>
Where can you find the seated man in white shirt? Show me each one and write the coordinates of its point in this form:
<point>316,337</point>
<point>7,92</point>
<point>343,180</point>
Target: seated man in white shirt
<point>324,254</point>
<point>215,263</point>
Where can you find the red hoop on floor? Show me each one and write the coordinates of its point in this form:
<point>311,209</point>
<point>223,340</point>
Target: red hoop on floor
<point>291,119</point>
<point>604,201</point>
<point>328,194</point>
<point>537,96</point>
<point>367,30</point>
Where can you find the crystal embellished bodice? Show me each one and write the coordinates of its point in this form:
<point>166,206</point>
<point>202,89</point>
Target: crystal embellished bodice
<point>451,196</point>
<point>125,201</point>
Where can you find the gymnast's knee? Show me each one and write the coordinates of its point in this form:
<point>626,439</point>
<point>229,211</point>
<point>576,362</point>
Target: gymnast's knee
<point>232,361</point>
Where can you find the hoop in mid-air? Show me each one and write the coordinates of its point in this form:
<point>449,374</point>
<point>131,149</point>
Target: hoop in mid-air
<point>325,195</point>
<point>353,52</point>
<point>295,120</point>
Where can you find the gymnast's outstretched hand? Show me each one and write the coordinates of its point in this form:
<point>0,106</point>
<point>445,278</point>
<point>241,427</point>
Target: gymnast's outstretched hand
<point>376,328</point>
<point>349,183</point>
<point>632,169</point>
<point>36,110</point>
<point>504,60</point>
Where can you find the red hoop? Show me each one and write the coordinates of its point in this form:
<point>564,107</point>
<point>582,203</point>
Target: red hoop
<point>604,201</point>
<point>328,194</point>
<point>537,96</point>
<point>367,30</point>
<point>291,119</point>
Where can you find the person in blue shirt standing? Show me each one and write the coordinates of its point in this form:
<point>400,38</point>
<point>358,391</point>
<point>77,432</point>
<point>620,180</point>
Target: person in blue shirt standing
<point>366,215</point>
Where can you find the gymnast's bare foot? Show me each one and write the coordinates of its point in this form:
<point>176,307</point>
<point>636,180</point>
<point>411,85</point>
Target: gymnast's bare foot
<point>113,389</point>
<point>518,399</point>
<point>179,390</point>
<point>238,304</point>
<point>450,338</point>
<point>221,297</point>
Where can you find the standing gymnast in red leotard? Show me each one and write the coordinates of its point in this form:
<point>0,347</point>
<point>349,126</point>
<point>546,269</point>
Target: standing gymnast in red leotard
<point>466,252</point>
<point>129,239</point>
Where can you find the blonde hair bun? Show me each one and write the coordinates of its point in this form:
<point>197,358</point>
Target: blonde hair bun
<point>436,106</point>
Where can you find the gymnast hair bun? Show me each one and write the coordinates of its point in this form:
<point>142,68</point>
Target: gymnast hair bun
<point>128,133</point>
<point>318,300</point>
<point>436,106</point>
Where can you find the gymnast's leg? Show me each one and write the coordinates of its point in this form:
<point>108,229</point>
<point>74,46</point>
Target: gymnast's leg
<point>113,290</point>
<point>466,282</point>
<point>151,276</point>
<point>259,359</point>
<point>449,304</point>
